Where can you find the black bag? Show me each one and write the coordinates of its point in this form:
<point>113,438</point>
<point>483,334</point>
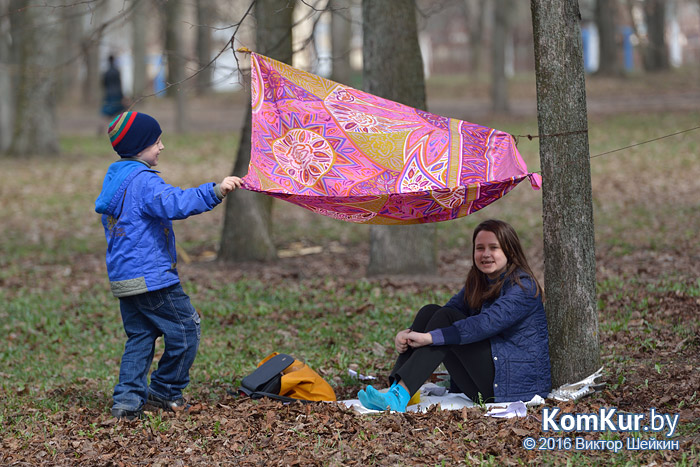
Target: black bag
<point>266,380</point>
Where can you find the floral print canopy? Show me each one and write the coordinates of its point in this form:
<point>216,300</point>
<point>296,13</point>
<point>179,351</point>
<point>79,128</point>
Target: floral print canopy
<point>353,156</point>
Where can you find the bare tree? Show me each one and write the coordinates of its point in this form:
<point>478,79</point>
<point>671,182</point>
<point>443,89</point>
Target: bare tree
<point>174,47</point>
<point>93,27</point>
<point>656,56</point>
<point>475,14</point>
<point>72,32</point>
<point>6,70</point>
<point>138,46</point>
<point>605,18</point>
<point>34,35</point>
<point>501,35</point>
<point>341,17</point>
<point>393,69</point>
<point>206,11</point>
<point>247,233</point>
<point>567,196</point>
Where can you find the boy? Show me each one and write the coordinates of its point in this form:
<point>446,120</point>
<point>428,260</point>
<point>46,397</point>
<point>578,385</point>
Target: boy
<point>137,209</point>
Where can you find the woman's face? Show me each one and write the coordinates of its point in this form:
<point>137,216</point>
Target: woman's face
<point>489,258</point>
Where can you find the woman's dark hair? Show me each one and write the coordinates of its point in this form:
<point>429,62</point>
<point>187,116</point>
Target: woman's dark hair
<point>477,288</point>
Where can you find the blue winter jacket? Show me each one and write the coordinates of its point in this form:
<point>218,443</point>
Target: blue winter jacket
<point>137,209</point>
<point>516,325</point>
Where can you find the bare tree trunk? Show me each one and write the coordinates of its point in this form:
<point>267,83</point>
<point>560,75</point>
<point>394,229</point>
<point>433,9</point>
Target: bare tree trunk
<point>247,234</point>
<point>475,15</point>
<point>569,246</point>
<point>605,15</point>
<point>501,33</point>
<point>91,94</point>
<point>656,57</point>
<point>174,47</point>
<point>393,69</point>
<point>34,38</point>
<point>138,48</point>
<point>72,27</point>
<point>206,12</point>
<point>7,69</point>
<point>248,220</point>
<point>341,16</point>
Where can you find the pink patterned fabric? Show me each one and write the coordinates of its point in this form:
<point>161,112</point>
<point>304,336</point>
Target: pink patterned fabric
<point>353,156</point>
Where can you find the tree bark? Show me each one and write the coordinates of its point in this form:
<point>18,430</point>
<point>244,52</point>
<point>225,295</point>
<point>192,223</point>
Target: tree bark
<point>605,17</point>
<point>35,35</point>
<point>341,16</point>
<point>92,83</point>
<point>205,14</point>
<point>393,69</point>
<point>248,219</point>
<point>501,33</point>
<point>6,72</point>
<point>569,247</point>
<point>138,37</point>
<point>656,58</point>
<point>72,26</point>
<point>174,46</point>
<point>475,16</point>
<point>247,234</point>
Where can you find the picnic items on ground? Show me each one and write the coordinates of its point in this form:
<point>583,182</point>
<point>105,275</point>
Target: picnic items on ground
<point>350,155</point>
<point>282,377</point>
<point>574,391</point>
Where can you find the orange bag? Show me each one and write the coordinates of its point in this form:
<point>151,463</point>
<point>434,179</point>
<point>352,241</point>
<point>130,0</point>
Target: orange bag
<point>297,382</point>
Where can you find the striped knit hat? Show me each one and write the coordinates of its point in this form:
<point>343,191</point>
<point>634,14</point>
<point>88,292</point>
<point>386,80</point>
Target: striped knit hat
<point>132,132</point>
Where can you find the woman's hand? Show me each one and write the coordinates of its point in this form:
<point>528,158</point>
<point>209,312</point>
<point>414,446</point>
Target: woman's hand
<point>401,340</point>
<point>419,339</point>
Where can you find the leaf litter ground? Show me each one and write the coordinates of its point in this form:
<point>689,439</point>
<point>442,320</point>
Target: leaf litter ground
<point>648,296</point>
<point>650,364</point>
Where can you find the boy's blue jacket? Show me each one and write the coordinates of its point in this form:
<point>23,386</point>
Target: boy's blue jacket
<point>516,325</point>
<point>137,209</point>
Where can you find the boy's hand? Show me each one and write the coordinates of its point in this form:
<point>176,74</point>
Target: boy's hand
<point>229,184</point>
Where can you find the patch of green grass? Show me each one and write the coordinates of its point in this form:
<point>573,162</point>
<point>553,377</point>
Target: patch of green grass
<point>63,336</point>
<point>668,284</point>
<point>245,321</point>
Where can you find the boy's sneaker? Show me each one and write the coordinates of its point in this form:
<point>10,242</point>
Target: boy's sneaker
<point>176,405</point>
<point>122,414</point>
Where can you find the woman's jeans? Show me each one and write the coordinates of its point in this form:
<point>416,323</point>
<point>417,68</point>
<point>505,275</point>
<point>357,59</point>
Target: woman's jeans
<point>166,312</point>
<point>470,365</point>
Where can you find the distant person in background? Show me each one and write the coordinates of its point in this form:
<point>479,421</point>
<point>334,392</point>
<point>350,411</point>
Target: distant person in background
<point>113,102</point>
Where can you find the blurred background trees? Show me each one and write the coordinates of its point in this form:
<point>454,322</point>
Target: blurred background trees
<point>53,51</point>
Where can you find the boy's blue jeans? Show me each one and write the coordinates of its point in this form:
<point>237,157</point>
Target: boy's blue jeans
<point>166,312</point>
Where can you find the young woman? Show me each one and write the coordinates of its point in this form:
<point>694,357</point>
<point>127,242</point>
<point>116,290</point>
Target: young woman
<point>492,336</point>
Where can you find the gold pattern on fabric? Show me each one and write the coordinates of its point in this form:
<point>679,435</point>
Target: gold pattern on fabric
<point>265,183</point>
<point>453,174</point>
<point>386,149</point>
<point>316,85</point>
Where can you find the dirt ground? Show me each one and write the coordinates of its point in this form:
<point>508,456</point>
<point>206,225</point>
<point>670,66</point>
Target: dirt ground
<point>238,431</point>
<point>649,365</point>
